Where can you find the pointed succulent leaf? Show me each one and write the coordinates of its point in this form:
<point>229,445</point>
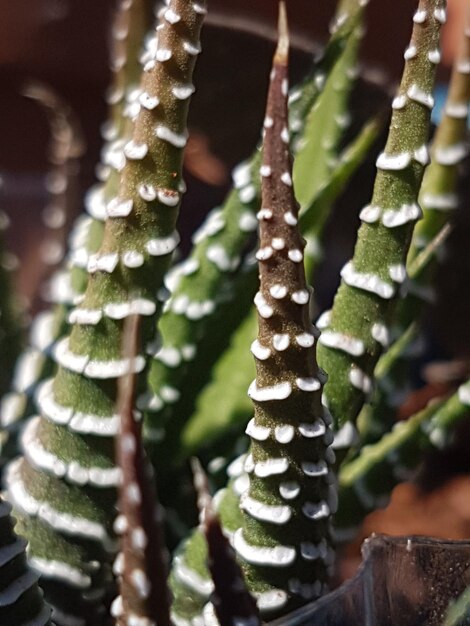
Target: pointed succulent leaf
<point>287,507</point>
<point>438,194</point>
<point>438,199</point>
<point>69,485</point>
<point>352,341</point>
<point>325,124</point>
<point>144,596</point>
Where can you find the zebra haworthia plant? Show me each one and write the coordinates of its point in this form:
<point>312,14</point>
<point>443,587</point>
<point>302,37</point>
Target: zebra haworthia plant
<point>64,487</point>
<point>290,499</point>
<point>264,543</point>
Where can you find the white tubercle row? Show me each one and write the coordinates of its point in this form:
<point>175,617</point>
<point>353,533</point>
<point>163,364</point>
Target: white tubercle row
<point>183,92</point>
<point>451,155</point>
<point>12,406</point>
<point>218,255</point>
<point>282,390</point>
<point>419,95</point>
<point>159,246</point>
<point>172,356</point>
<point>270,467</point>
<point>284,433</point>
<point>399,101</point>
<point>60,570</point>
<point>278,556</point>
<point>360,380</point>
<point>345,437</point>
<point>84,423</point>
<point>199,8</point>
<point>289,490</point>
<point>73,471</point>
<point>259,351</point>
<point>367,282</point>
<point>192,49</point>
<point>270,600</point>
<point>435,56</point>
<point>191,579</point>
<point>463,66</point>
<point>247,222</point>
<point>411,52</point>
<point>264,214</point>
<point>316,510</point>
<point>397,273</point>
<point>300,297</point>
<point>148,101</point>
<point>113,155</point>
<point>192,309</point>
<point>213,224</point>
<point>400,161</point>
<point>440,202</point>
<point>275,514</point>
<point>264,309</point>
<point>59,520</point>
<point>393,218</point>
<point>81,228</point>
<point>186,268</point>
<point>82,364</point>
<point>314,469</point>
<point>343,342</point>
<point>27,370</point>
<point>281,342</point>
<point>135,151</point>
<point>113,310</point>
<point>43,331</point>
<point>59,289</point>
<point>313,551</point>
<point>178,140</point>
<point>393,162</point>
<point>457,110</point>
<point>380,333</point>
<point>420,16</point>
<point>464,394</point>
<point>440,15</point>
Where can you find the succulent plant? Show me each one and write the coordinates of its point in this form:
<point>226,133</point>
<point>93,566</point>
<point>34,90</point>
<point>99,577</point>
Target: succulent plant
<point>144,361</point>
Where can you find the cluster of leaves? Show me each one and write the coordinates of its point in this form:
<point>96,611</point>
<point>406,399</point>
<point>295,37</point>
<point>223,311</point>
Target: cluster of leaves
<point>81,410</point>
